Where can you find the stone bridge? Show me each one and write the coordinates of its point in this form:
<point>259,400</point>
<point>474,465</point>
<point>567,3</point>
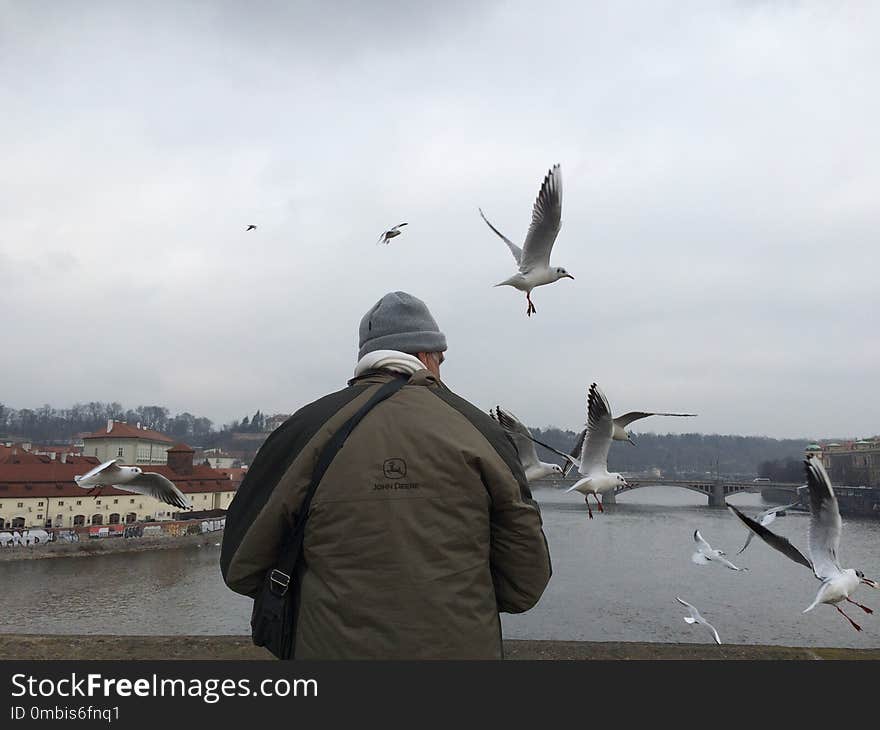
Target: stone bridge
<point>716,490</point>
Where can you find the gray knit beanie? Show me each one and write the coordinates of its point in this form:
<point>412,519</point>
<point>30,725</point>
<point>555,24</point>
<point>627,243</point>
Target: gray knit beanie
<point>402,322</point>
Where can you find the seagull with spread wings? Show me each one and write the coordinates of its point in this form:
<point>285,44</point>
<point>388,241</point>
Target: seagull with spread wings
<point>133,479</point>
<point>593,463</point>
<point>525,446</point>
<point>533,259</point>
<point>696,618</point>
<point>619,434</point>
<point>767,517</point>
<point>391,233</point>
<point>705,554</point>
<point>838,583</point>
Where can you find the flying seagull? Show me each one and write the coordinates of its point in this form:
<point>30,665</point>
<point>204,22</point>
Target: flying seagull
<point>251,227</point>
<point>705,553</point>
<point>824,539</point>
<point>593,466</point>
<point>391,233</point>
<point>767,517</point>
<point>133,479</point>
<point>525,446</point>
<point>533,258</point>
<point>696,618</point>
<point>620,432</point>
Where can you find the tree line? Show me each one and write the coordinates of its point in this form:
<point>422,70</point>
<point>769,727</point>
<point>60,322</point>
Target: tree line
<point>47,425</point>
<point>687,454</point>
<point>675,454</point>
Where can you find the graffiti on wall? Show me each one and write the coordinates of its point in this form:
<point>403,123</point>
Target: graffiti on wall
<point>24,537</point>
<point>37,536</point>
<point>213,525</point>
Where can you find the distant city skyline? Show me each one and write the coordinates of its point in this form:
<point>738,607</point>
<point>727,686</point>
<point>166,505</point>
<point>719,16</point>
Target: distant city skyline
<point>720,168</point>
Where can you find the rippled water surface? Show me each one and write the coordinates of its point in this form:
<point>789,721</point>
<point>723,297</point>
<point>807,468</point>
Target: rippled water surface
<point>615,578</point>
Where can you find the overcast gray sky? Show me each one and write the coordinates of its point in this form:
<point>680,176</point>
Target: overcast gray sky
<point>721,170</point>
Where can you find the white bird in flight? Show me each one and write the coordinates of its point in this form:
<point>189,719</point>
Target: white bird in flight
<point>525,446</point>
<point>824,540</point>
<point>705,553</point>
<point>133,479</point>
<point>766,518</point>
<point>697,618</point>
<point>620,433</point>
<point>593,466</point>
<point>391,233</point>
<point>533,258</point>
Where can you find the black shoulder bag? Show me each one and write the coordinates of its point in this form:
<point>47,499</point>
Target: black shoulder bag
<point>273,621</point>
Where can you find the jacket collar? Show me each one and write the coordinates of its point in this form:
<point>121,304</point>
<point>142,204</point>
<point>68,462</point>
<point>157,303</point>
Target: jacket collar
<point>397,362</point>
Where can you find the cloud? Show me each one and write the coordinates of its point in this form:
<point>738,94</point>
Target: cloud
<point>720,174</point>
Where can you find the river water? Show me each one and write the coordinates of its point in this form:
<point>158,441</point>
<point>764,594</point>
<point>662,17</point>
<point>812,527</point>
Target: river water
<point>615,578</point>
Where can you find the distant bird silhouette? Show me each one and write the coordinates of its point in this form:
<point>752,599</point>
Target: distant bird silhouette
<point>391,233</point>
<point>251,227</point>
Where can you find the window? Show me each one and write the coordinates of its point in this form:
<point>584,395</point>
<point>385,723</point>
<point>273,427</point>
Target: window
<point>119,451</point>
<point>60,503</point>
<point>39,504</point>
<point>39,517</point>
<point>21,504</point>
<point>115,501</point>
<point>131,501</point>
<point>79,501</point>
<point>96,452</point>
<point>97,501</point>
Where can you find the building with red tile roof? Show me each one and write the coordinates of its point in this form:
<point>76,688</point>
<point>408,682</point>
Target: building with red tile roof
<point>133,444</point>
<point>37,491</point>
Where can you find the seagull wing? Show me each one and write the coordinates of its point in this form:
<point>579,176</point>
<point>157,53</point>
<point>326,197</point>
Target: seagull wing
<point>825,524</point>
<point>546,221</point>
<point>768,516</point>
<point>749,537</point>
<point>570,460</point>
<point>712,629</point>
<point>600,427</point>
<point>702,546</point>
<point>765,519</point>
<point>725,562</point>
<point>695,614</point>
<point>575,454</point>
<point>522,439</point>
<point>103,474</point>
<point>772,539</point>
<point>514,249</point>
<point>158,487</point>
<point>399,226</point>
<point>627,418</point>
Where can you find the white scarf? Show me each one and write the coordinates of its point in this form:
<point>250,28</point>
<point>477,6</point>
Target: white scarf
<point>398,362</point>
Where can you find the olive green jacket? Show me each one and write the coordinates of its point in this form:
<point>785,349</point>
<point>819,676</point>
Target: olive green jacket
<point>422,530</point>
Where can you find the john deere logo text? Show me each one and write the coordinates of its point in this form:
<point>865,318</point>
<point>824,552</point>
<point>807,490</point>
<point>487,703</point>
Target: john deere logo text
<point>394,468</point>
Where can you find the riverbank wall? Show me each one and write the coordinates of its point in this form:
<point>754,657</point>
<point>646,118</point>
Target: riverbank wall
<point>241,648</point>
<point>40,544</point>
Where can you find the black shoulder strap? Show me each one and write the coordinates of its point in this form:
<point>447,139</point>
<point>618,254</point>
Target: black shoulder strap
<point>292,548</point>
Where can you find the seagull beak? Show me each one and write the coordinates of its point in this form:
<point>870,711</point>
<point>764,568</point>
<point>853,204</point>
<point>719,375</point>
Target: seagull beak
<point>869,582</point>
<point>569,276</point>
